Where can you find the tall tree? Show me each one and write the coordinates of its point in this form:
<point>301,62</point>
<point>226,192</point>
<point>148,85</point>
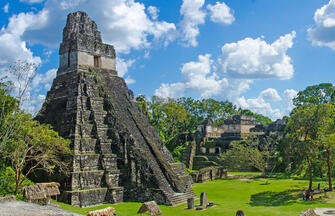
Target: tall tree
<point>13,95</point>
<point>325,114</point>
<point>302,132</point>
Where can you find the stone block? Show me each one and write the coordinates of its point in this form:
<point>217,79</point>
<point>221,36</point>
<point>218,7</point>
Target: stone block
<point>102,212</point>
<point>86,162</point>
<point>87,179</point>
<point>112,178</point>
<point>115,195</point>
<point>190,203</point>
<point>203,199</point>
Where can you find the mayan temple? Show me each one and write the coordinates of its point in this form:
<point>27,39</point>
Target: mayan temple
<point>118,155</point>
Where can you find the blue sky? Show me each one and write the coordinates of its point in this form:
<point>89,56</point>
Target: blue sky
<point>256,53</point>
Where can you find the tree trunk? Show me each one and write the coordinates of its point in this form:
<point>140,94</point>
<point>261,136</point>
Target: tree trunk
<point>329,170</point>
<point>310,173</point>
<point>17,179</point>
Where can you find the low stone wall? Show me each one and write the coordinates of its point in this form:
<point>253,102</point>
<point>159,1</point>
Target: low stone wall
<point>209,174</point>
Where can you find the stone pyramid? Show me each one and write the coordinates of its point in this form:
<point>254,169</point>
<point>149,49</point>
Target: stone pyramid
<point>118,155</point>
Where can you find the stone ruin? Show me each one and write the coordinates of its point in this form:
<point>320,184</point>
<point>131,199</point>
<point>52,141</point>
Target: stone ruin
<point>211,141</point>
<point>118,155</point>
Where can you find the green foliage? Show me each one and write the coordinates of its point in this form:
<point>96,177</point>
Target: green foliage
<point>25,144</point>
<point>316,94</point>
<point>216,111</point>
<point>8,183</point>
<point>8,106</point>
<point>241,157</point>
<point>35,146</point>
<point>259,117</point>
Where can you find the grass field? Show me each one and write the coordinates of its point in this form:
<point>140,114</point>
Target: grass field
<point>255,196</point>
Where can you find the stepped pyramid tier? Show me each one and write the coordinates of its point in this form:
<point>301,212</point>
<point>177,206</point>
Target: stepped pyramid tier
<point>118,155</point>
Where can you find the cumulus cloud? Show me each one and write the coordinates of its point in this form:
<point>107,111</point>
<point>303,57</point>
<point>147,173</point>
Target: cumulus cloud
<point>193,16</point>
<point>289,95</point>
<point>44,80</point>
<point>153,11</point>
<point>5,8</point>
<point>198,77</point>
<point>259,105</point>
<point>11,37</point>
<point>221,13</point>
<point>236,69</point>
<point>256,59</point>
<point>238,66</point>
<point>270,94</point>
<point>262,104</point>
<point>122,66</point>
<point>323,33</point>
<point>123,23</point>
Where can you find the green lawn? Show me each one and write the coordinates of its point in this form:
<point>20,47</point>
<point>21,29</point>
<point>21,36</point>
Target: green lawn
<point>256,197</point>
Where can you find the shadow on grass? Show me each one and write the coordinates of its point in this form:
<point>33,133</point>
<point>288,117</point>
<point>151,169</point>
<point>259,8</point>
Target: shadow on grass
<point>270,198</point>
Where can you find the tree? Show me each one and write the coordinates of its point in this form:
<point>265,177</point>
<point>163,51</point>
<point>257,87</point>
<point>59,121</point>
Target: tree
<point>302,133</point>
<point>316,94</point>
<point>259,117</point>
<point>326,133</point>
<point>35,146</point>
<point>241,157</point>
<point>21,75</point>
<point>8,106</point>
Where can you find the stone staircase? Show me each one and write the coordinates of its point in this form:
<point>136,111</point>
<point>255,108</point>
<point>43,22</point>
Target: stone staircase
<point>95,176</point>
<point>188,155</point>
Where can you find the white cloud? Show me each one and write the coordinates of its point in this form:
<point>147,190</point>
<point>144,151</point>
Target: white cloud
<point>238,66</point>
<point>32,1</point>
<point>236,69</point>
<point>259,105</point>
<point>11,38</point>
<point>270,94</point>
<point>256,59</point>
<point>129,80</point>
<point>323,33</point>
<point>122,66</point>
<point>289,94</point>
<point>262,105</point>
<point>199,78</point>
<point>123,23</point>
<point>193,16</point>
<point>153,11</point>
<point>5,8</point>
<point>44,80</point>
<point>221,13</point>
